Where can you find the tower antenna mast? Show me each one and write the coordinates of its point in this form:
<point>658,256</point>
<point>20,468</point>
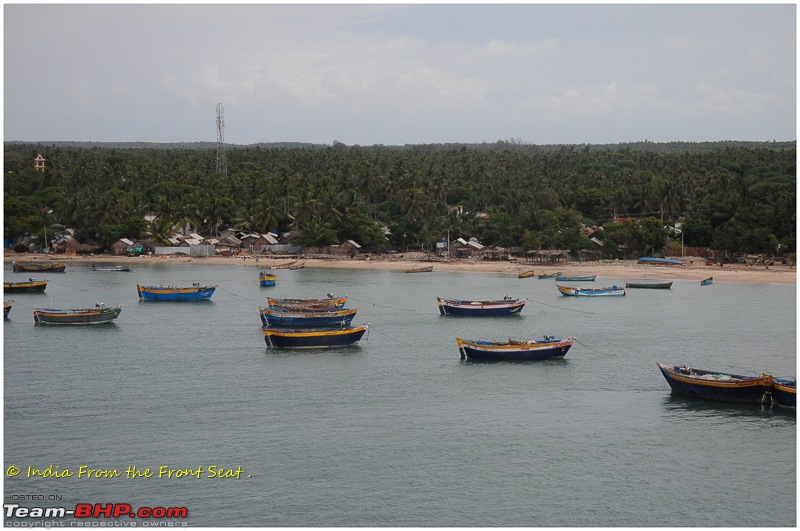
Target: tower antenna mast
<point>222,165</point>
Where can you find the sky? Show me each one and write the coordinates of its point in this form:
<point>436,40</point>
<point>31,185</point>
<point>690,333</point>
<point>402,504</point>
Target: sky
<point>396,74</point>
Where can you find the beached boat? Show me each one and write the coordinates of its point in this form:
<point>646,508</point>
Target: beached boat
<point>713,385</point>
<point>309,338</point>
<point>707,282</point>
<point>784,392</point>
<point>549,275</point>
<point>31,286</point>
<point>505,306</point>
<point>589,278</point>
<point>511,350</point>
<point>286,265</point>
<point>297,266</point>
<point>39,267</point>
<point>173,293</point>
<point>572,291</point>
<point>266,279</point>
<point>7,308</point>
<point>526,274</point>
<point>426,269</point>
<point>125,269</point>
<point>331,303</point>
<point>281,318</point>
<point>97,315</point>
<point>649,285</point>
<point>659,261</point>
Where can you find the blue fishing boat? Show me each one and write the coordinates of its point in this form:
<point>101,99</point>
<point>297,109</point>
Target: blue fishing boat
<point>331,303</point>
<point>511,350</point>
<point>266,279</point>
<point>6,308</point>
<point>505,306</point>
<point>281,318</point>
<point>571,291</point>
<point>784,392</point>
<point>98,315</point>
<point>310,338</point>
<point>173,293</point>
<point>660,261</point>
<point>590,278</point>
<point>713,385</point>
<point>707,282</point>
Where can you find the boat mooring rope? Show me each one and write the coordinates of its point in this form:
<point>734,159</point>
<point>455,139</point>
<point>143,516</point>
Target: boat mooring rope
<point>381,305</point>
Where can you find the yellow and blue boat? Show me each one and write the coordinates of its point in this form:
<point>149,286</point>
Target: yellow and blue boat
<point>98,315</point>
<point>572,291</point>
<point>266,279</point>
<point>713,385</point>
<point>537,350</point>
<point>331,303</point>
<point>308,338</point>
<point>173,293</point>
<point>784,392</point>
<point>280,317</point>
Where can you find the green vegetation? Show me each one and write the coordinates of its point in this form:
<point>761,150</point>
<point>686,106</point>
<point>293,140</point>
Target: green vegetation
<point>734,197</point>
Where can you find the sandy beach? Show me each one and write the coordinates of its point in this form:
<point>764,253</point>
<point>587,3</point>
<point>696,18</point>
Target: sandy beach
<point>693,268</point>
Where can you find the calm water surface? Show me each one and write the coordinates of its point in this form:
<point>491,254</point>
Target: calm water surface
<point>399,431</point>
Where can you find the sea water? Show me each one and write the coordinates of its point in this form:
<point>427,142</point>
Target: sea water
<point>398,430</point>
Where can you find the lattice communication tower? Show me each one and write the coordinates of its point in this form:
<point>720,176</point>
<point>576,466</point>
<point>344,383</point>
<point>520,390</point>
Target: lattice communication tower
<point>222,165</point>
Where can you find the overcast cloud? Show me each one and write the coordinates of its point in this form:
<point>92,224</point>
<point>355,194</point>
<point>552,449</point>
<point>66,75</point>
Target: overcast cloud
<point>400,74</point>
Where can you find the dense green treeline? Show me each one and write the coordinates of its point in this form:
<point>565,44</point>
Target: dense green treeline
<point>736,198</point>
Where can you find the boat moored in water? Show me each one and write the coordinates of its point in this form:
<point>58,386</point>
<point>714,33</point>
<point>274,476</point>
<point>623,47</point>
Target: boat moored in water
<point>511,350</point>
<point>39,267</point>
<point>330,303</point>
<point>649,285</point>
<point>173,293</point>
<point>526,274</point>
<point>313,338</point>
<point>123,269</point>
<point>707,282</point>
<point>97,315</point>
<point>266,279</point>
<point>281,318</point>
<point>713,385</point>
<point>784,392</point>
<point>7,308</point>
<point>501,307</point>
<point>572,291</point>
<point>589,278</point>
<point>426,269</point>
<point>31,286</point>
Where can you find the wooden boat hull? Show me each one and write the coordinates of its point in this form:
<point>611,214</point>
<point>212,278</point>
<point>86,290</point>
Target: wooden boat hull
<point>118,269</point>
<point>571,291</point>
<point>526,274</point>
<point>33,286</point>
<point>286,338</point>
<point>6,309</point>
<point>420,270</point>
<point>576,279</point>
<point>171,293</point>
<point>265,279</point>
<point>496,308</point>
<point>649,285</point>
<point>39,267</point>
<point>76,316</point>
<point>551,275</point>
<point>721,387</point>
<point>511,351</point>
<point>315,319</point>
<point>707,282</point>
<point>784,393</point>
<point>335,303</point>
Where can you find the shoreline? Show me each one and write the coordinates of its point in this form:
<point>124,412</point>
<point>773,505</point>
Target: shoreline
<point>693,268</point>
